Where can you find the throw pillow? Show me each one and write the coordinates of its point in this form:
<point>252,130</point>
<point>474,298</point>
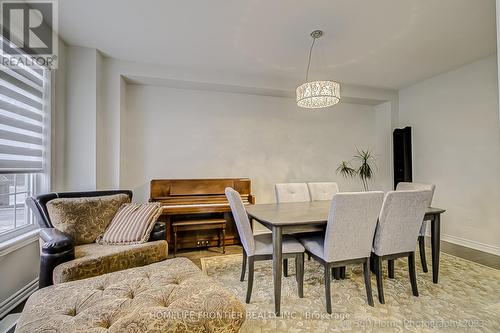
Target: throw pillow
<point>132,224</point>
<point>85,218</point>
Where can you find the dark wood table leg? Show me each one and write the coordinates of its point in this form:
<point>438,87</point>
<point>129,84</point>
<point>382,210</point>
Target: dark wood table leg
<point>390,264</point>
<point>277,262</point>
<point>435,243</point>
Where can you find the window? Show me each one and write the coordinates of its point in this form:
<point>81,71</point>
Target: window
<point>14,189</point>
<point>24,143</point>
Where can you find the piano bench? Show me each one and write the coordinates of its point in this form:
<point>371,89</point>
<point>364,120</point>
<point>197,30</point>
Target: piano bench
<point>208,224</point>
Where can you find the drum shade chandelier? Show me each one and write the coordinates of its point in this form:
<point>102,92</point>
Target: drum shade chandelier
<point>317,94</point>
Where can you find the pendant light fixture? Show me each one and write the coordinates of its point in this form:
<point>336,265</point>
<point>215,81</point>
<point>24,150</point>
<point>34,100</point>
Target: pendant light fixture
<point>317,94</point>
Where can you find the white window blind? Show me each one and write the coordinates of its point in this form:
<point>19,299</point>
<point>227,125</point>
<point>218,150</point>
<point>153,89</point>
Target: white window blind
<point>24,112</point>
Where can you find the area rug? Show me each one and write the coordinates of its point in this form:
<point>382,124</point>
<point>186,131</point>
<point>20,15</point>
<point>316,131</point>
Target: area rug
<point>466,299</point>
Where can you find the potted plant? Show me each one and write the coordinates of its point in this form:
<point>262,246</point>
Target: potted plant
<point>365,170</point>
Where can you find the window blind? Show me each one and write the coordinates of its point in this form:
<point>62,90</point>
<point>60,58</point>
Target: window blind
<point>23,113</point>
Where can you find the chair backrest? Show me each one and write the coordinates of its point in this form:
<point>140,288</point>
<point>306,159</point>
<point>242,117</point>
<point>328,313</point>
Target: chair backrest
<point>241,219</point>
<point>399,221</point>
<point>322,190</point>
<point>351,225</point>
<point>292,192</point>
<point>38,204</point>
<point>407,186</point>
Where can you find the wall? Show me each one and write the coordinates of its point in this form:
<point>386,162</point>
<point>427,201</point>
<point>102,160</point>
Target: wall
<point>181,133</point>
<point>81,118</point>
<point>498,47</point>
<point>456,142</point>
<point>117,73</point>
<point>19,271</point>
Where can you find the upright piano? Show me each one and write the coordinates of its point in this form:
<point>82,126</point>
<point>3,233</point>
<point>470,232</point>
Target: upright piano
<point>199,201</point>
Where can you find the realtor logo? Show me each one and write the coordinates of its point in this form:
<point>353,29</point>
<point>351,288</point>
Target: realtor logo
<point>28,29</point>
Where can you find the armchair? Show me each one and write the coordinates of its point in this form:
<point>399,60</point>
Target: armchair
<point>61,260</point>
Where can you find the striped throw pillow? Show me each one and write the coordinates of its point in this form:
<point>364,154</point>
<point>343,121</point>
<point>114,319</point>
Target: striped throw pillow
<point>132,224</point>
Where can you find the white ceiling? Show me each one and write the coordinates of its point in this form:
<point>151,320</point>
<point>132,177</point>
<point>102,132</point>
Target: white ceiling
<point>383,43</point>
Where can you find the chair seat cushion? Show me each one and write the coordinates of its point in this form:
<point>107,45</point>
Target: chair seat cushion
<point>264,244</point>
<point>169,296</point>
<point>314,244</point>
<point>94,259</point>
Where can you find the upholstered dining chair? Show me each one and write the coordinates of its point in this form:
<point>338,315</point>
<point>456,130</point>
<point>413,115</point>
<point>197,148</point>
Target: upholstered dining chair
<point>322,190</point>
<point>348,238</point>
<point>260,247</point>
<point>292,192</point>
<point>397,231</point>
<point>405,186</point>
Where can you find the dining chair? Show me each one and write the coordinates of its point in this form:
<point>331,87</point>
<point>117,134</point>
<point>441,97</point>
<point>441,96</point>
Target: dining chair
<point>292,192</point>
<point>348,238</point>
<point>397,231</point>
<point>405,186</point>
<point>260,247</point>
<point>322,190</point>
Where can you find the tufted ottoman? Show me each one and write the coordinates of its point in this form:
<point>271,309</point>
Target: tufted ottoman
<point>169,296</point>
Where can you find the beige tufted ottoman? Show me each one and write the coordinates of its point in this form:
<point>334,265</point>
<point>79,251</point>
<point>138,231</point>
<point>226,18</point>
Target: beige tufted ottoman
<point>172,295</point>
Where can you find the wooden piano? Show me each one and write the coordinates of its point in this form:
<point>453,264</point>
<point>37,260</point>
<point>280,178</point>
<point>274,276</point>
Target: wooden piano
<point>199,203</point>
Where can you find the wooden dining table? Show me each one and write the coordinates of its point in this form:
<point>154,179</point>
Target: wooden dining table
<point>289,218</point>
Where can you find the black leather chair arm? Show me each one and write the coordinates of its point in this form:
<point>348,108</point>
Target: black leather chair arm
<point>159,232</point>
<point>57,248</point>
<point>55,241</point>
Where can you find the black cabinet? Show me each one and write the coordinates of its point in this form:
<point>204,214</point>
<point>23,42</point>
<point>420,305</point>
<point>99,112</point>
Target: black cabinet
<point>402,155</point>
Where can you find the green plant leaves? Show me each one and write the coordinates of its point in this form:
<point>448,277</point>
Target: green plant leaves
<point>365,170</point>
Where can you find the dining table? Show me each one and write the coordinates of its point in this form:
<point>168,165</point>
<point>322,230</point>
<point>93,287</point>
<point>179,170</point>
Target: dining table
<point>293,217</point>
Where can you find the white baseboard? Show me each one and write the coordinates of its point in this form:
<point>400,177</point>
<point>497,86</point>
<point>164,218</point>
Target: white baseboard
<point>14,300</point>
<point>471,244</point>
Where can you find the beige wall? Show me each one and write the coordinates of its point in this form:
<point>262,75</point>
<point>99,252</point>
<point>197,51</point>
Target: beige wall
<point>81,118</point>
<point>456,145</point>
<point>182,133</point>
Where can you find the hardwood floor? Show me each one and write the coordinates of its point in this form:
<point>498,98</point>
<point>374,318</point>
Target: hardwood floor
<point>196,254</point>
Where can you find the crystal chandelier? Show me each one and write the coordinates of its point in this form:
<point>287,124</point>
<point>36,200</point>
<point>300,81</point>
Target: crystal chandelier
<point>317,94</point>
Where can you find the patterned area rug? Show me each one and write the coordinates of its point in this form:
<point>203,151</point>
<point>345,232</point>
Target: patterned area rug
<point>467,298</point>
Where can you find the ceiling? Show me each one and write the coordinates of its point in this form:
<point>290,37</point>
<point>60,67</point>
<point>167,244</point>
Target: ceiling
<point>382,43</point>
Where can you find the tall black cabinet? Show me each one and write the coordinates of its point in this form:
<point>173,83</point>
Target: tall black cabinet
<point>402,155</point>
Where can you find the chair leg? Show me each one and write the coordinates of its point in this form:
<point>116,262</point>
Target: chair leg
<point>250,278</point>
<point>175,243</point>
<point>421,246</point>
<point>299,273</point>
<point>336,273</point>
<point>328,296</point>
<point>379,273</point>
<point>285,267</point>
<point>390,265</point>
<point>368,282</point>
<point>373,269</point>
<point>223,240</point>
<point>413,274</point>
<point>243,266</point>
